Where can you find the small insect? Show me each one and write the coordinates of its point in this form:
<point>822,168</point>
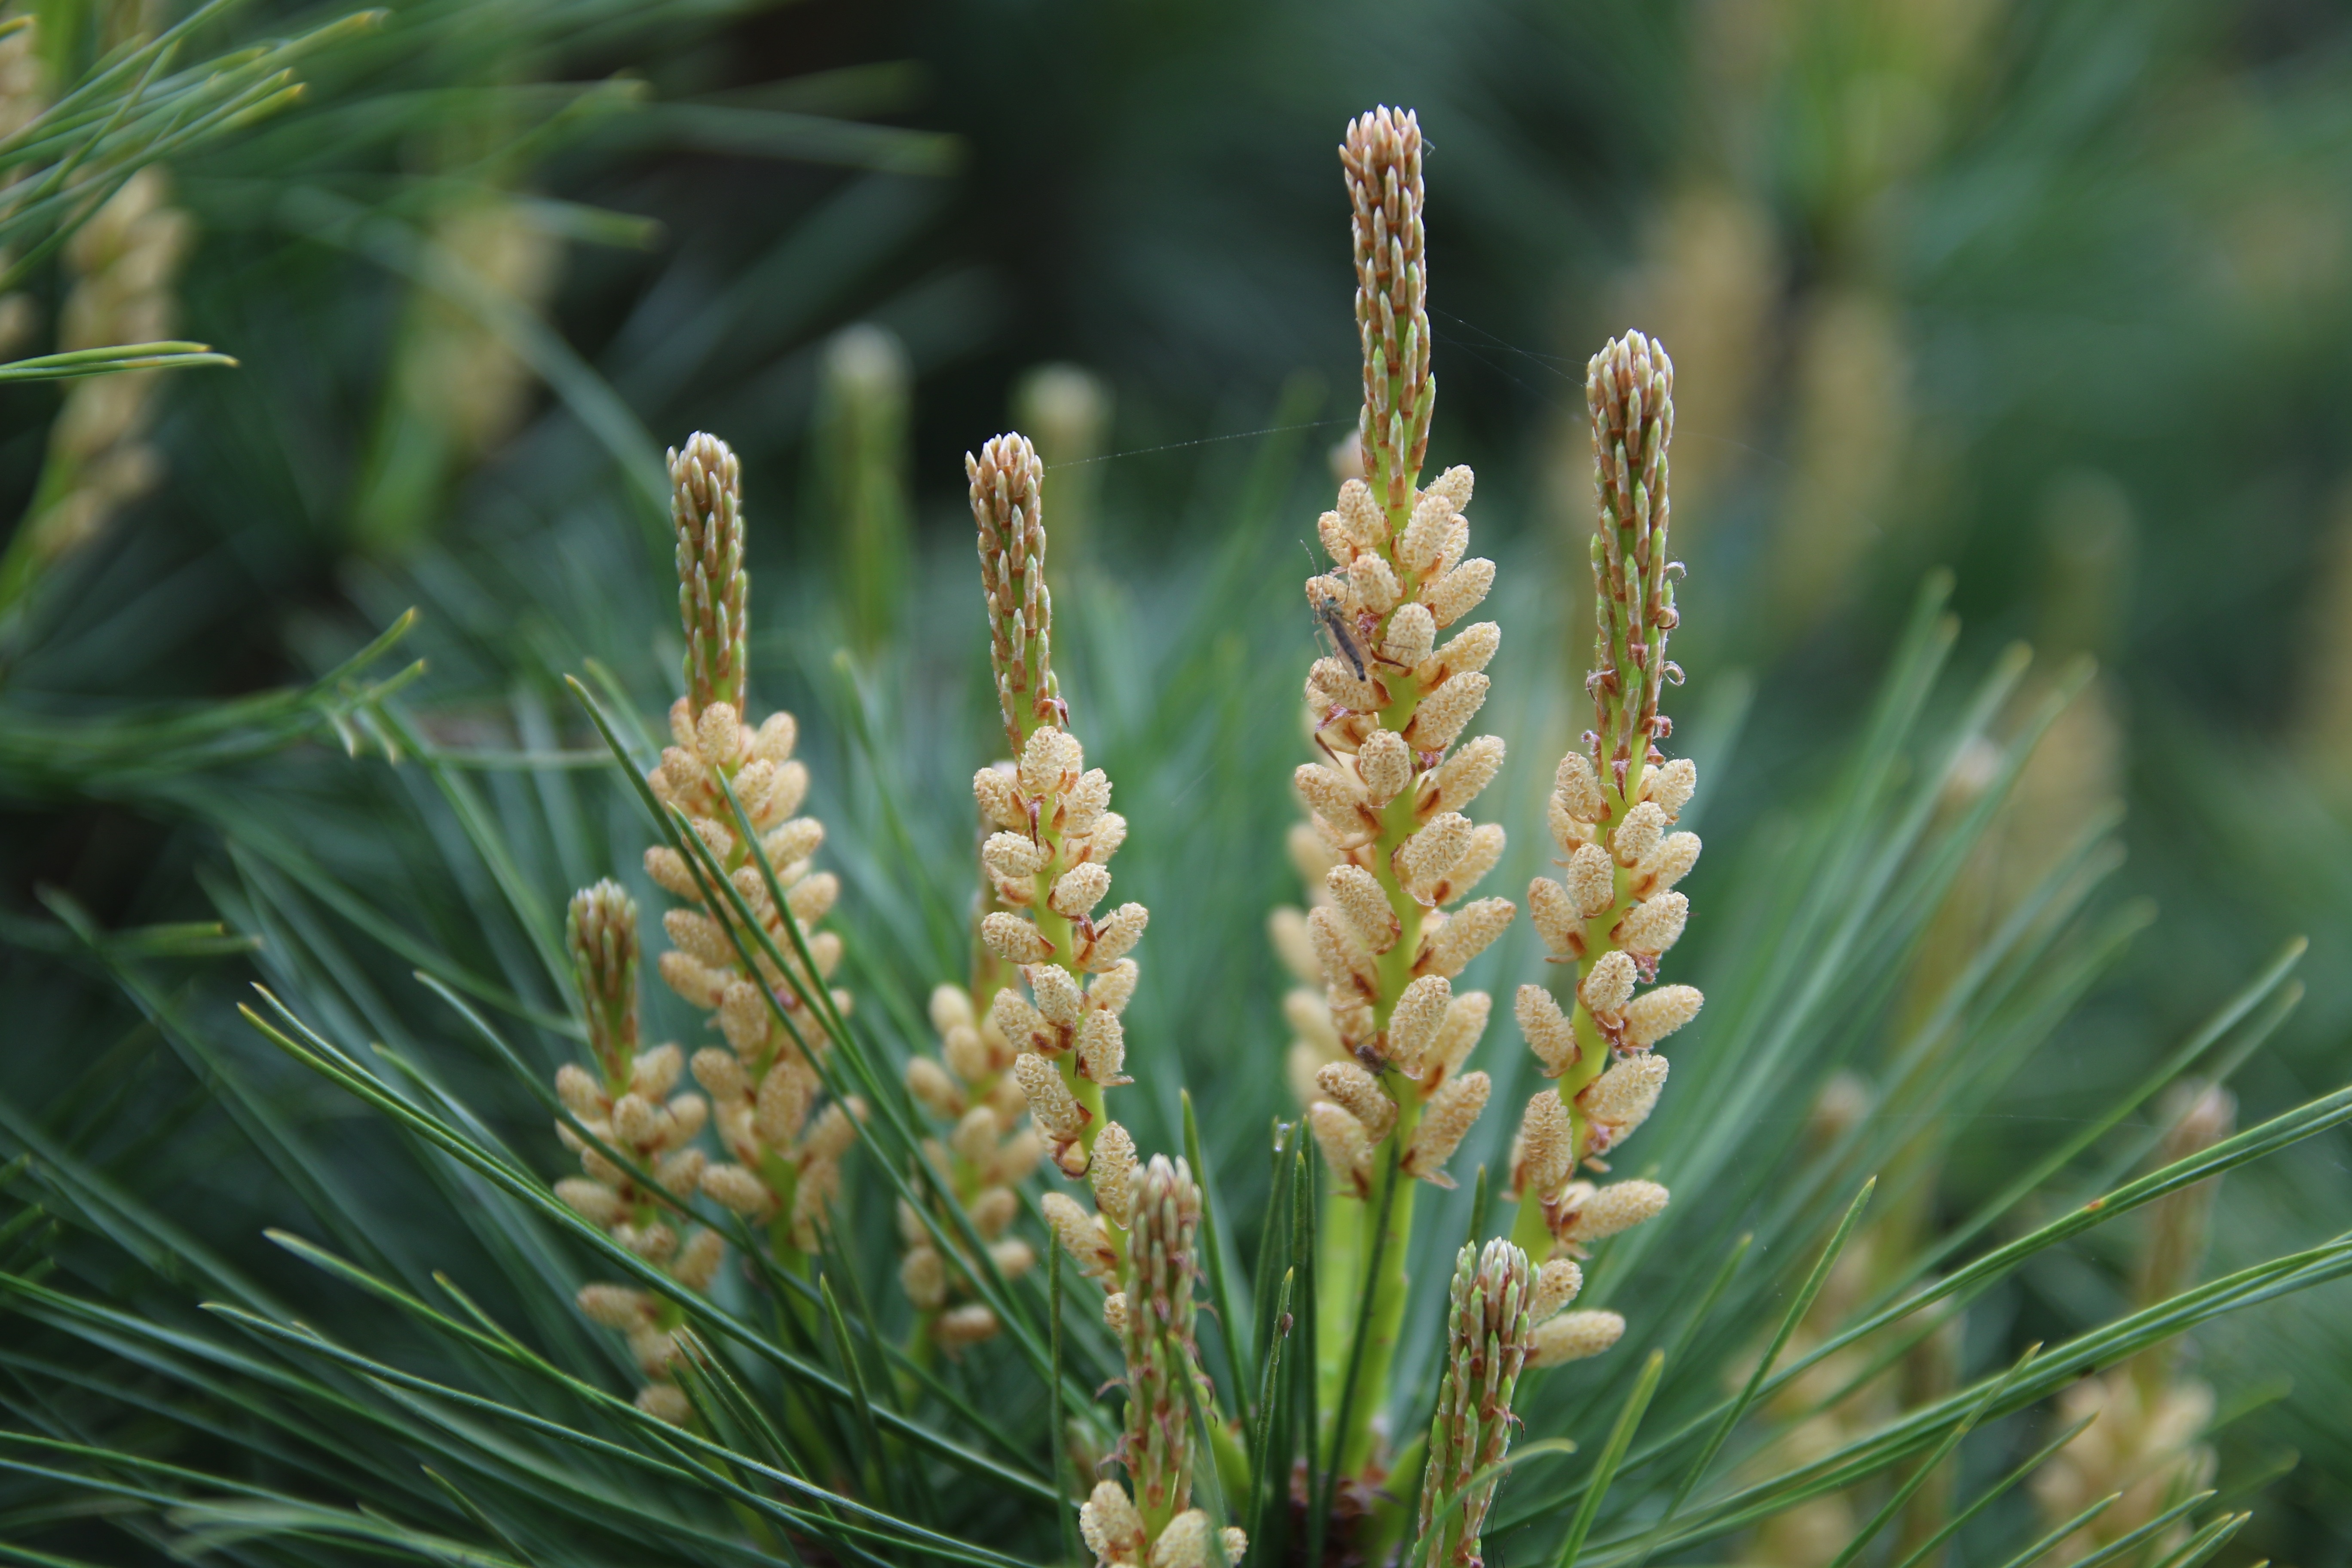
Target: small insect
<point>1332,614</point>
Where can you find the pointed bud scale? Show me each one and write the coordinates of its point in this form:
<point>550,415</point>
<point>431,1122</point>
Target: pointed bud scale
<point>1657,1013</point>
<point>1443,1122</point>
<point>1360,1095</point>
<point>1413,1026</point>
<point>1575,1336</point>
<point>1547,1147</point>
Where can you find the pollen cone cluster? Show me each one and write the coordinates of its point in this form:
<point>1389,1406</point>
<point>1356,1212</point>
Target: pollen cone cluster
<point>1051,834</point>
<point>764,1084</point>
<point>626,1105</point>
<point>1392,857</point>
<point>1614,910</point>
<point>988,1152</point>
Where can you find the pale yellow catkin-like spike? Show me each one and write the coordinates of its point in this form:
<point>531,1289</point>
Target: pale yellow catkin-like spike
<point>968,1324</point>
<point>1575,1336</point>
<point>1460,591</point>
<point>1113,938</point>
<point>1654,1015</point>
<point>1055,1110</point>
<point>1443,1122</point>
<point>1547,1031</point>
<point>1340,953</point>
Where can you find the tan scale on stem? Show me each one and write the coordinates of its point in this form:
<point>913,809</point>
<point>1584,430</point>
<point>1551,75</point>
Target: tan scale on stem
<point>1614,909</point>
<point>626,1105</point>
<point>764,1086</point>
